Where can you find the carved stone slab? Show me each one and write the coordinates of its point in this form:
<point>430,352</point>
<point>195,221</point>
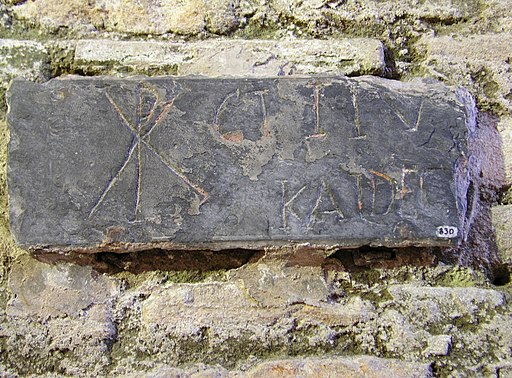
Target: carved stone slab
<point>124,164</point>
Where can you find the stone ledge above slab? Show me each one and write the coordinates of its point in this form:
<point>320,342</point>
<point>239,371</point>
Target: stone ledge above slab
<point>247,58</point>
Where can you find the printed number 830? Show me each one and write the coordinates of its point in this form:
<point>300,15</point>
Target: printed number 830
<point>446,232</point>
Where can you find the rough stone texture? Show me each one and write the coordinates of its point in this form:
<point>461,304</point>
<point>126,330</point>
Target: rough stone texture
<point>202,163</point>
<point>186,17</point>
<point>304,367</point>
<point>439,345</point>
<point>356,10</point>
<point>502,222</point>
<point>414,327</point>
<point>22,59</point>
<point>138,17</point>
<point>496,16</point>
<point>269,58</point>
<point>220,16</point>
<point>230,324</point>
<point>176,16</point>
<point>103,55</point>
<point>58,314</point>
<point>254,58</point>
<point>347,367</point>
<point>38,289</point>
<point>505,129</point>
<point>480,62</point>
<point>55,14</point>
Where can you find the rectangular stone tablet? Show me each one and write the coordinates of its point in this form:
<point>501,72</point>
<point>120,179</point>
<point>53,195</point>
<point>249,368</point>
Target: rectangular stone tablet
<point>106,164</point>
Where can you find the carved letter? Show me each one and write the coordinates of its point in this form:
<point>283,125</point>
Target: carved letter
<point>241,111</point>
<point>411,126</point>
<point>150,110</point>
<point>375,190</point>
<point>325,205</point>
<point>287,203</point>
<point>357,116</point>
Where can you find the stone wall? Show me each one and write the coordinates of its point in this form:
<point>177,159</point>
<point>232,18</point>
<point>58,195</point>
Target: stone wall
<point>301,312</point>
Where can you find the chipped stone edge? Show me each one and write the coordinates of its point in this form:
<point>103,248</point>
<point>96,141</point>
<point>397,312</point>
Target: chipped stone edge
<point>465,176</point>
<point>280,245</point>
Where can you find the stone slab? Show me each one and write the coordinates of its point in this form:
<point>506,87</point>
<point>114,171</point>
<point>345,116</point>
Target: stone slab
<point>247,58</point>
<point>124,164</point>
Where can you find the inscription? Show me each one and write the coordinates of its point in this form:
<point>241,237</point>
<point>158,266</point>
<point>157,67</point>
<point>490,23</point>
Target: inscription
<point>150,110</point>
<point>357,117</point>
<point>317,205</point>
<point>317,93</point>
<point>373,194</point>
<point>239,112</point>
<point>411,126</point>
<point>232,163</point>
<point>370,194</point>
<point>376,191</point>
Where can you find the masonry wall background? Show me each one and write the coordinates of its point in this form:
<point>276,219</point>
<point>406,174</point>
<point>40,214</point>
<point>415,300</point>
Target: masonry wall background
<point>275,312</point>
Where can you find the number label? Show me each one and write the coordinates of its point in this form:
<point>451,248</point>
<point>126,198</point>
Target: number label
<point>446,232</point>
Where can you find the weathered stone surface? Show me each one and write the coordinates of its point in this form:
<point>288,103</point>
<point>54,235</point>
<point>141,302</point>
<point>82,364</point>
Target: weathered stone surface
<point>217,306</point>
<point>270,284</point>
<point>52,14</point>
<point>205,163</point>
<point>156,325</point>
<point>358,366</point>
<point>502,222</point>
<point>103,55</point>
<point>283,58</point>
<point>165,371</point>
<point>480,62</point>
<point>248,58</point>
<point>22,58</point>
<point>176,16</point>
<point>54,310</point>
<point>430,304</point>
<point>190,17</point>
<point>349,316</point>
<point>357,10</point>
<point>221,15</point>
<point>505,130</point>
<point>129,16</point>
<point>439,345</point>
<point>38,290</point>
<point>496,16</point>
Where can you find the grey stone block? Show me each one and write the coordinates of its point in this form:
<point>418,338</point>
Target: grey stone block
<point>101,164</point>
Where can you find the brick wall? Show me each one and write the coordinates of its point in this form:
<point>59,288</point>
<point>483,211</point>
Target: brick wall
<point>418,312</point>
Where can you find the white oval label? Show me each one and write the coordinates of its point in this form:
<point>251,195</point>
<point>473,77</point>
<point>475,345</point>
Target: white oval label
<point>446,232</point>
